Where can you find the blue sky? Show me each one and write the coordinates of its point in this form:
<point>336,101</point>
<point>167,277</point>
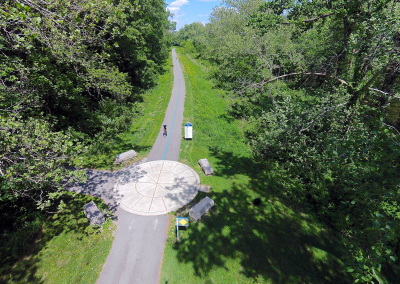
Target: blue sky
<point>189,11</point>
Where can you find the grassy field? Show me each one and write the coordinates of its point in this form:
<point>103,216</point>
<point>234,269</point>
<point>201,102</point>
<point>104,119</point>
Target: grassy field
<point>238,242</point>
<point>67,250</point>
<point>145,127</point>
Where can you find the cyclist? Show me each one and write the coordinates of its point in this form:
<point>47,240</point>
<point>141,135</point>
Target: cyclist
<point>165,130</point>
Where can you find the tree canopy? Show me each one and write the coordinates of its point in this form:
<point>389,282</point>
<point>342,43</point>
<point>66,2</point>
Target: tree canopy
<point>315,82</point>
<point>318,84</point>
<point>72,74</point>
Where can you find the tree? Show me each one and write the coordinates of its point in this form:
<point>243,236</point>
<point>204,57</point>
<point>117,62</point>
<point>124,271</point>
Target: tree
<point>347,54</point>
<point>366,49</point>
<point>71,73</point>
<point>33,161</point>
<point>315,80</point>
<point>191,37</point>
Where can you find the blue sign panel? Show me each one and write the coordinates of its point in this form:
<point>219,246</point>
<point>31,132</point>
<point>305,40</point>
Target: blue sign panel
<point>182,221</point>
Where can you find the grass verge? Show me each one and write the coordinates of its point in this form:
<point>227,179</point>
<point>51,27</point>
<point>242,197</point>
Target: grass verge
<point>67,249</point>
<point>238,242</point>
<point>145,127</point>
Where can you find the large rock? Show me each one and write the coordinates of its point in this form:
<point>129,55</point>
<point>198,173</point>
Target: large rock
<point>201,208</point>
<point>93,214</point>
<point>205,188</point>
<point>206,167</point>
<point>125,156</point>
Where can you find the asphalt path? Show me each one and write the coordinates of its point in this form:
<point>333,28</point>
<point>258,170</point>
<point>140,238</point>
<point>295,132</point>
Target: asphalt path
<point>137,251</point>
<point>167,148</point>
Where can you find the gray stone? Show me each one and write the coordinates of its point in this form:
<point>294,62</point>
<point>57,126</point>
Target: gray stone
<point>125,156</point>
<point>93,214</point>
<point>201,208</point>
<point>206,167</point>
<point>205,188</point>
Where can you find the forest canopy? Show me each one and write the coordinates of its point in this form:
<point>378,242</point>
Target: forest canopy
<point>72,74</point>
<point>317,84</point>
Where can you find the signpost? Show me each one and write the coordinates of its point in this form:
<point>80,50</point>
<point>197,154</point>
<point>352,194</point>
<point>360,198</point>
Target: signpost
<point>188,130</point>
<point>181,222</point>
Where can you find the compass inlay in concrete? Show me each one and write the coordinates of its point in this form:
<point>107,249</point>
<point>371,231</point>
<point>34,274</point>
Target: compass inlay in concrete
<point>156,188</point>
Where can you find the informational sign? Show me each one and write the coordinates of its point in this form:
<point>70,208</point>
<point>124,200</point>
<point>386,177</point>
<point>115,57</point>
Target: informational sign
<point>188,130</point>
<point>181,222</point>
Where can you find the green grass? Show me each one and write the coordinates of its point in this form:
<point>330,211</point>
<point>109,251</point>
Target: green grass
<point>145,127</point>
<point>237,242</point>
<point>67,250</point>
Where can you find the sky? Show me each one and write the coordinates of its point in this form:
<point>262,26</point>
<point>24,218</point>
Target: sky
<point>190,11</point>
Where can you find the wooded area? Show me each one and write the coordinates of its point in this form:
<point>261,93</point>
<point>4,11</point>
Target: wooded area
<point>72,76</point>
<point>317,84</point>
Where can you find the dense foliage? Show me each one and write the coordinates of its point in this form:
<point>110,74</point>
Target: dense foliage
<point>192,38</point>
<point>318,84</point>
<point>71,79</point>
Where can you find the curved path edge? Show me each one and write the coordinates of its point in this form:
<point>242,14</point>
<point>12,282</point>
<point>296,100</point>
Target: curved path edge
<point>156,188</point>
<point>137,251</point>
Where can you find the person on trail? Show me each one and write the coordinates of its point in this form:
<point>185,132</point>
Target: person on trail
<point>165,130</point>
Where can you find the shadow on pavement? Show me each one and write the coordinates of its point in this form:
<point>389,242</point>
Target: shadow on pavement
<point>101,184</point>
<point>98,184</point>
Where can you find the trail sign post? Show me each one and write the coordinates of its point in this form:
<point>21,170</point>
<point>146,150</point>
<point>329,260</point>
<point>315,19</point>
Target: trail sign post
<point>188,130</point>
<point>181,222</point>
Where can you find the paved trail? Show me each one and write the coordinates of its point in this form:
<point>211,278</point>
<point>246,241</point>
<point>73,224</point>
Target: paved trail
<point>167,148</point>
<point>136,253</point>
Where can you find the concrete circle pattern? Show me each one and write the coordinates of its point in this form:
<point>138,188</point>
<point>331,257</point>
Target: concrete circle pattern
<point>156,188</point>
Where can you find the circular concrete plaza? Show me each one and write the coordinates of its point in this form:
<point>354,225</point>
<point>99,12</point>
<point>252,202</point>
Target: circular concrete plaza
<point>156,188</point>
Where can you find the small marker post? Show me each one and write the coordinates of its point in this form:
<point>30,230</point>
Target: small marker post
<point>177,230</point>
<point>181,221</point>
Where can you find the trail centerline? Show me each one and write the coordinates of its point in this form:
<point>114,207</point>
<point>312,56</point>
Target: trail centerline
<point>136,253</point>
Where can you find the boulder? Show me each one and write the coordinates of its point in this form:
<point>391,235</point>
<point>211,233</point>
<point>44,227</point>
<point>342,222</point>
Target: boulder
<point>93,214</point>
<point>201,208</point>
<point>125,156</point>
<point>205,188</point>
<point>206,167</point>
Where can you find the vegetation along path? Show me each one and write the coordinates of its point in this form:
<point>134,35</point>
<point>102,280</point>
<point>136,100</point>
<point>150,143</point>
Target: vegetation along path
<point>236,242</point>
<point>136,253</point>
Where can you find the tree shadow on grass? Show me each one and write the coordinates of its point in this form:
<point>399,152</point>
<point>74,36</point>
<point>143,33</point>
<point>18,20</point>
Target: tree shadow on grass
<point>71,219</point>
<point>269,242</point>
<point>228,118</point>
<point>22,272</point>
<point>272,241</point>
<point>229,164</point>
<point>261,183</point>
